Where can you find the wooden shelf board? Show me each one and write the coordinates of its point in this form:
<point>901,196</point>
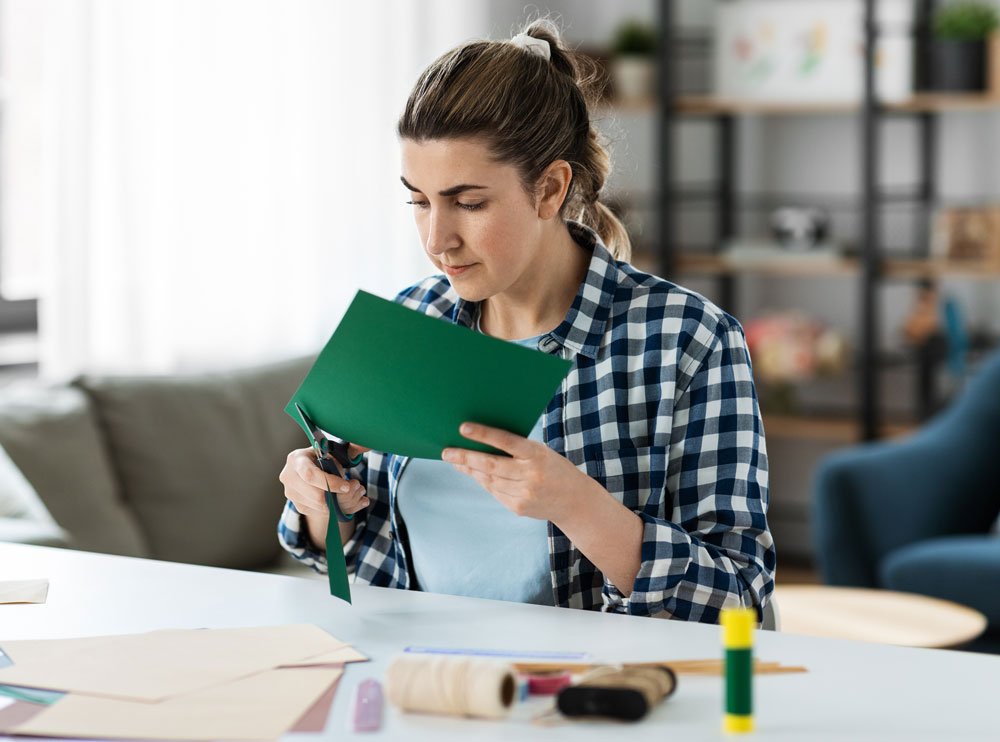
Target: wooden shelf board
<point>711,104</point>
<point>720,265</point>
<point>915,268</point>
<point>946,102</point>
<point>838,430</point>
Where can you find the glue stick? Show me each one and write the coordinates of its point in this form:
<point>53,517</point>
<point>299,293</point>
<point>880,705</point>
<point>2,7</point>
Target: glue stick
<point>737,630</point>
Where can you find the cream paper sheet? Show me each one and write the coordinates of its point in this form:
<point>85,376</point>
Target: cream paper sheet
<point>261,706</point>
<point>24,591</point>
<point>160,664</point>
<point>338,656</point>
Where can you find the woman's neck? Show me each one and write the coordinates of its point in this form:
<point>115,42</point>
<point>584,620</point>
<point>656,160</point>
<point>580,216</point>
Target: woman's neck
<point>540,300</point>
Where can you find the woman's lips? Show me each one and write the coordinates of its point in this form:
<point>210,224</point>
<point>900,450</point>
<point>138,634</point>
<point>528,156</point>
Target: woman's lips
<point>457,270</point>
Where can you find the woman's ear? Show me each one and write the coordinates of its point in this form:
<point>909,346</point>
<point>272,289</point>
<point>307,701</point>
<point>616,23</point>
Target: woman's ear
<point>553,185</point>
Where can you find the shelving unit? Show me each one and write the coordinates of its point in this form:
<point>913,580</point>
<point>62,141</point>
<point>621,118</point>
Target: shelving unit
<point>868,265</point>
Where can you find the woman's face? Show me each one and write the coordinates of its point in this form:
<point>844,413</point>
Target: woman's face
<point>476,222</point>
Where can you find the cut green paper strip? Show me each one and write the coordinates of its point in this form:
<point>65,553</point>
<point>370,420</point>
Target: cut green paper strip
<point>336,564</point>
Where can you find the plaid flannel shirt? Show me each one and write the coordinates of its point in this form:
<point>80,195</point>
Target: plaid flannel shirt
<point>660,408</point>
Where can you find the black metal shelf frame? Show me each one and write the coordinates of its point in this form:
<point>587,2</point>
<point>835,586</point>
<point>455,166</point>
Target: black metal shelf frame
<point>872,199</point>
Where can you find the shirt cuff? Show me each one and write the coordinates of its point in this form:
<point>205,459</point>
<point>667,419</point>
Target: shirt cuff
<point>293,535</point>
<point>678,577</point>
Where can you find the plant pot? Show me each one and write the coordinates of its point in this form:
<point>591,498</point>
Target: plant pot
<point>633,77</point>
<point>957,66</point>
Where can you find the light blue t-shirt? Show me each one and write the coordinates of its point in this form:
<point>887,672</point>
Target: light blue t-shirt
<point>464,542</point>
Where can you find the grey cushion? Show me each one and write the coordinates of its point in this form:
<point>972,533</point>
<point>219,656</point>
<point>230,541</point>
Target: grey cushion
<point>24,519</point>
<point>52,437</point>
<point>199,456</point>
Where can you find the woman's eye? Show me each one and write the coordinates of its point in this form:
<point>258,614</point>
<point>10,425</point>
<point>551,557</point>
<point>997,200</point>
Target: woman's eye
<point>418,204</point>
<point>472,207</point>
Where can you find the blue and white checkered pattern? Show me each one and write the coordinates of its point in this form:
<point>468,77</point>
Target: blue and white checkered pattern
<point>660,408</point>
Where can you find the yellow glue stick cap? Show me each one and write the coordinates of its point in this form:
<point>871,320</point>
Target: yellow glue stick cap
<point>737,724</point>
<point>738,625</point>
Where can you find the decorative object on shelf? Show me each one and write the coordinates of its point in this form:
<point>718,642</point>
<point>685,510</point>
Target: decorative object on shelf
<point>750,253</point>
<point>792,51</point>
<point>923,322</point>
<point>993,65</point>
<point>787,348</point>
<point>968,235</point>
<point>633,67</point>
<point>958,51</point>
<point>800,229</point>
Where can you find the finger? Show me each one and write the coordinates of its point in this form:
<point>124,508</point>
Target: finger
<point>487,463</point>
<point>485,480</point>
<point>499,489</point>
<point>306,498</point>
<point>308,501</point>
<point>354,494</point>
<point>309,472</point>
<point>512,443</point>
<point>353,503</point>
<point>488,482</point>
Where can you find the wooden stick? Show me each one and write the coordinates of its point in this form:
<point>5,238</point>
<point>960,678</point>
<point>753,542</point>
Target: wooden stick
<point>685,667</point>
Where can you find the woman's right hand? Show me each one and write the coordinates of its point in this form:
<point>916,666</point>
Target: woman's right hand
<point>306,485</point>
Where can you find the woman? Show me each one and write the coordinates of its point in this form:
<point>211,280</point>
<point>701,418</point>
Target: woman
<point>643,488</point>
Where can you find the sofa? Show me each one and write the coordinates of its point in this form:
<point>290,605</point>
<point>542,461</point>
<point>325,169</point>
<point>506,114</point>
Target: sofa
<point>180,468</point>
<point>920,514</point>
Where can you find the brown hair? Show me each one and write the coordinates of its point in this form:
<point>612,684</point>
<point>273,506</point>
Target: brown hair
<point>532,111</point>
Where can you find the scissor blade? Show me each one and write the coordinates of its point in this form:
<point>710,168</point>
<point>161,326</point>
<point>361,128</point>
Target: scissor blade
<point>314,432</point>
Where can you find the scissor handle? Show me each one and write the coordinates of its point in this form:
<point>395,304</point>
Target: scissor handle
<point>330,467</point>
<point>340,451</point>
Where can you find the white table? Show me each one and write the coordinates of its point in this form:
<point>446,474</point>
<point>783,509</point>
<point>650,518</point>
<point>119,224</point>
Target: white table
<point>853,690</point>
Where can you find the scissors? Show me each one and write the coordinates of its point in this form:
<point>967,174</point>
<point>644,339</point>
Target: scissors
<point>325,447</point>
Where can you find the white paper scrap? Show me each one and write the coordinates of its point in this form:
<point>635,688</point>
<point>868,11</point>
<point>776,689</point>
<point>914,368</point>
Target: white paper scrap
<point>24,591</point>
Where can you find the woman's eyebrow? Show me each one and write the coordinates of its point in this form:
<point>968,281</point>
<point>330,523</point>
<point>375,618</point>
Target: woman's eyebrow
<point>453,191</point>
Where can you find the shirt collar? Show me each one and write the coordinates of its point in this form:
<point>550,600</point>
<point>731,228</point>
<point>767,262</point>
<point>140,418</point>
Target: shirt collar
<point>583,327</point>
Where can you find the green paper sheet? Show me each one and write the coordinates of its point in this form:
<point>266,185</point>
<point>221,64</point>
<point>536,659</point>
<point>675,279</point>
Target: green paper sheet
<point>395,380</point>
<point>398,381</point>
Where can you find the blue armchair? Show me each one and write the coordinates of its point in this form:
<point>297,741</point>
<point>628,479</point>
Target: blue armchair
<point>916,514</point>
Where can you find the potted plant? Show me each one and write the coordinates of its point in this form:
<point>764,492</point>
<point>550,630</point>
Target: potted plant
<point>958,50</point>
<point>633,61</point>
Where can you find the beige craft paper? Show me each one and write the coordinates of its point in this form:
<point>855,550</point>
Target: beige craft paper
<point>261,706</point>
<point>24,591</point>
<point>161,664</point>
<point>36,650</point>
<point>338,656</point>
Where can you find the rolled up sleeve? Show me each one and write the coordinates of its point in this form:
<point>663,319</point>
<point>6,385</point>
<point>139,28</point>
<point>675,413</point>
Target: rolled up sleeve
<point>715,550</point>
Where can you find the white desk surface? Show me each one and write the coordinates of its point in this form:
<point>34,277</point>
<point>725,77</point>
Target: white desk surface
<point>853,690</point>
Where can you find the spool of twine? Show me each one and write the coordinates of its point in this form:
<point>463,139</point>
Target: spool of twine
<point>458,686</point>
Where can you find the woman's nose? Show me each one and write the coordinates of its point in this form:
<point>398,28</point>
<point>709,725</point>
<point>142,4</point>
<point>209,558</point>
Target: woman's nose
<point>441,235</point>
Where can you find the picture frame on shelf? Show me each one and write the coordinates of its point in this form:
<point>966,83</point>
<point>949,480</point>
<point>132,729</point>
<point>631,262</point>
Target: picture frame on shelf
<point>788,51</point>
<point>968,235</point>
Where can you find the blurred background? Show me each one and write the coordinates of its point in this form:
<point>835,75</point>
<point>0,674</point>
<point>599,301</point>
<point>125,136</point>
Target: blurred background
<point>202,185</point>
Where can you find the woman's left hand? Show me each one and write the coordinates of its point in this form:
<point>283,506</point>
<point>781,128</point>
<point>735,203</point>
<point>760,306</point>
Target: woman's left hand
<point>535,482</point>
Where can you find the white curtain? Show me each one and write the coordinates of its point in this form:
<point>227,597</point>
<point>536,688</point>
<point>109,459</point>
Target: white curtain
<point>220,176</point>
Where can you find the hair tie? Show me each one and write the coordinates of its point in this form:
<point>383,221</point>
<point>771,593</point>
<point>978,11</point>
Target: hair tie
<point>539,47</point>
